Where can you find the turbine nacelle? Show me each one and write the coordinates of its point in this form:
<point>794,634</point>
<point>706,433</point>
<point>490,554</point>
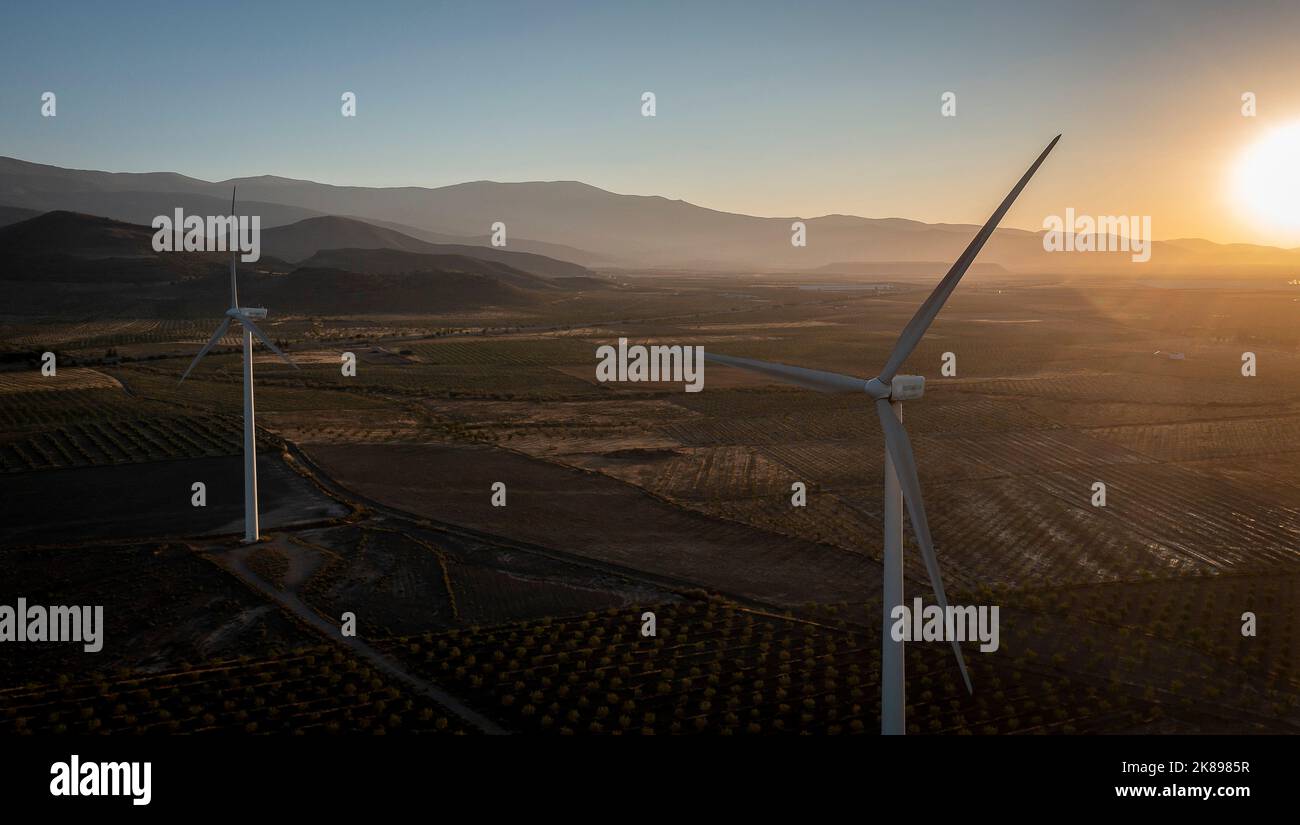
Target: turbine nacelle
<point>901,388</point>
<point>248,312</point>
<point>907,387</point>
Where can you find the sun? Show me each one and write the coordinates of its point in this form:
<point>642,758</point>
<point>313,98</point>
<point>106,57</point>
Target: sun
<point>1267,178</point>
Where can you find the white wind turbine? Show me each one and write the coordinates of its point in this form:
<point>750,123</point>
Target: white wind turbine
<point>245,316</point>
<point>888,390</point>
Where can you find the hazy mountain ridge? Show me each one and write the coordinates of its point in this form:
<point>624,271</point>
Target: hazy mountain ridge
<point>137,197</point>
<point>323,290</point>
<point>401,262</point>
<point>645,231</point>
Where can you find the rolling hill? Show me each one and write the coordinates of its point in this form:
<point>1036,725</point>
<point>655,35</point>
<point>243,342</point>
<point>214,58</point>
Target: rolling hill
<point>14,214</point>
<point>304,239</point>
<point>328,291</point>
<point>67,264</point>
<point>72,247</point>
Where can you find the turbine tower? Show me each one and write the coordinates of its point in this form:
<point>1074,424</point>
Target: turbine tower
<point>245,316</point>
<point>888,391</point>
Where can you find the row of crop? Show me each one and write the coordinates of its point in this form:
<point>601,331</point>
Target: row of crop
<point>717,669</point>
<point>121,441</point>
<point>318,691</point>
<point>506,352</point>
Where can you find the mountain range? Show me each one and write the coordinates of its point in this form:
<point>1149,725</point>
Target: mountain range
<point>579,224</point>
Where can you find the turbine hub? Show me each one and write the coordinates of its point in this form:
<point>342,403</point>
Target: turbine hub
<point>907,387</point>
<point>877,389</point>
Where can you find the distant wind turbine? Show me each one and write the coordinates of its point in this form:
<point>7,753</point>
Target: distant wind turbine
<point>245,316</point>
<point>888,390</point>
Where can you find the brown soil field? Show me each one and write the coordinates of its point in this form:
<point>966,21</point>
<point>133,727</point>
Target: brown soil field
<point>588,515</point>
<point>153,499</point>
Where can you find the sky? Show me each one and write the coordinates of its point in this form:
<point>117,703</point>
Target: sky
<point>776,109</point>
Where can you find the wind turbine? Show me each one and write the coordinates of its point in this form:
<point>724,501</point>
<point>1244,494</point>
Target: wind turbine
<point>245,316</point>
<point>888,391</point>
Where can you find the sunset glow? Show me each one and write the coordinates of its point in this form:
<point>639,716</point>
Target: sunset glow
<point>1267,178</point>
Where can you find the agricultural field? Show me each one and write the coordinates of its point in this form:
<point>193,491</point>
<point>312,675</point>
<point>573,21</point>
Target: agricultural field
<point>626,498</point>
<point>569,510</point>
<point>121,441</point>
<point>154,499</point>
<point>403,577</point>
<point>164,604</point>
<point>93,335</point>
<point>313,691</point>
<point>714,668</point>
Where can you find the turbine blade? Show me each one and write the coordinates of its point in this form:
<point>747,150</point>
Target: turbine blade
<point>809,379</point>
<point>915,329</point>
<point>234,290</point>
<point>212,342</point>
<point>248,323</point>
<point>900,450</point>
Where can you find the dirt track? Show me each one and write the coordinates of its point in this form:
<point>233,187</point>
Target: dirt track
<point>233,561</point>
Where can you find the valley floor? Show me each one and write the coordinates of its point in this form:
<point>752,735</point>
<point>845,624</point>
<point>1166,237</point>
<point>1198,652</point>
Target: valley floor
<point>623,500</point>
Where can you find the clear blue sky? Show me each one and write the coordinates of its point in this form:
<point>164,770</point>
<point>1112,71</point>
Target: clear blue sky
<point>769,108</point>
